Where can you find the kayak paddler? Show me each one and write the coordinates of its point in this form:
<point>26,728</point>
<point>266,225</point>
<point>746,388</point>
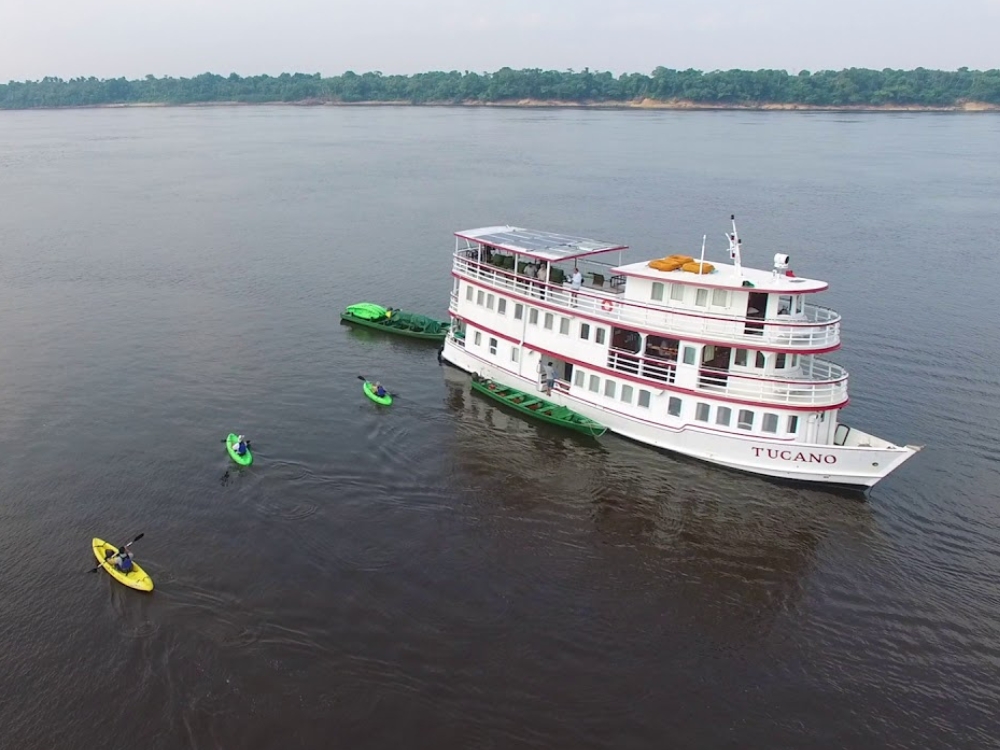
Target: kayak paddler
<point>122,559</point>
<point>241,445</point>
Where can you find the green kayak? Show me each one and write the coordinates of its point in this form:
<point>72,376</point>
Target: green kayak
<point>385,400</point>
<point>367,311</point>
<point>244,460</point>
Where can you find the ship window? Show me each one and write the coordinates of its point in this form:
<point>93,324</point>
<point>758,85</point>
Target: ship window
<point>643,398</point>
<point>657,291</point>
<point>674,406</point>
<point>741,358</point>
<point>793,423</point>
<point>513,354</point>
<point>724,416</point>
<point>689,355</point>
<point>701,298</point>
<point>599,334</point>
<point>477,339</point>
<point>609,388</point>
<point>578,378</point>
<point>549,319</point>
<point>493,346</point>
<point>780,361</point>
<point>502,306</point>
<point>701,412</point>
<point>533,316</point>
<point>759,363</point>
<point>564,326</point>
<point>489,301</point>
<point>795,361</point>
<point>769,423</point>
<point>479,297</point>
<point>585,331</point>
<point>784,304</point>
<point>518,311</point>
<point>468,293</point>
<point>799,303</point>
<point>745,421</point>
<point>595,383</point>
<point>626,393</point>
<point>677,292</point>
<point>720,298</point>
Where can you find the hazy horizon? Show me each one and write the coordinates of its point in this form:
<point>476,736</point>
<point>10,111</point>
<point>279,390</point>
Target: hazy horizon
<point>113,38</point>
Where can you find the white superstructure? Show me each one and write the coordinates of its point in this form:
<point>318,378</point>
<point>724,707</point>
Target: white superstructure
<point>724,366</point>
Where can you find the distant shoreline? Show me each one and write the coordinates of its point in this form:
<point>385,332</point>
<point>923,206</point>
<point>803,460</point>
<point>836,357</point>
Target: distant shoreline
<point>643,104</point>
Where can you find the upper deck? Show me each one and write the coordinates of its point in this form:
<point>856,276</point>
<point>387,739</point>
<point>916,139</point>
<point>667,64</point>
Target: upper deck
<point>742,306</point>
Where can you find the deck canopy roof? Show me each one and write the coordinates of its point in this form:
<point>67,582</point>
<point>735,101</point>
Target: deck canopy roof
<point>547,246</point>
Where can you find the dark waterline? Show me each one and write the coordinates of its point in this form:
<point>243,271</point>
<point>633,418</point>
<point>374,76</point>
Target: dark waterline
<point>443,573</point>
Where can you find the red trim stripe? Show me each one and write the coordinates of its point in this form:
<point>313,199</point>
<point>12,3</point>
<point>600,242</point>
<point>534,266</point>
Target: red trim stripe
<point>649,384</point>
<point>687,313</point>
<point>702,426</point>
<point>574,312</point>
<point>694,282</point>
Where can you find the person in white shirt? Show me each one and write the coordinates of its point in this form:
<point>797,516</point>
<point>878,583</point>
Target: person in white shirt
<point>550,378</point>
<point>576,282</point>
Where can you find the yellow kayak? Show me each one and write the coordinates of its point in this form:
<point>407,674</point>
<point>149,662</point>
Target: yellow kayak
<point>135,578</point>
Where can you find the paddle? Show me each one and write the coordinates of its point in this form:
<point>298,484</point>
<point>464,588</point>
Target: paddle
<point>362,377</point>
<point>119,549</point>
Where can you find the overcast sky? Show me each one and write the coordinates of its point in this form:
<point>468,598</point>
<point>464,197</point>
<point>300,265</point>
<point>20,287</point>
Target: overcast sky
<point>111,38</point>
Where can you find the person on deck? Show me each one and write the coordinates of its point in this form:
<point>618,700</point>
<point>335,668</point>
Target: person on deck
<point>576,283</point>
<point>550,378</point>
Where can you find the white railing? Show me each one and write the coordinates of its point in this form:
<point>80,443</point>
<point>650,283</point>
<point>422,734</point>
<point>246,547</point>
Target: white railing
<point>820,314</point>
<point>821,383</point>
<point>644,367</point>
<point>821,328</point>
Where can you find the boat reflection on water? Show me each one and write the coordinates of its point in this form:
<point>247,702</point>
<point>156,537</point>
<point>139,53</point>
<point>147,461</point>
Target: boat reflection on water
<point>709,540</point>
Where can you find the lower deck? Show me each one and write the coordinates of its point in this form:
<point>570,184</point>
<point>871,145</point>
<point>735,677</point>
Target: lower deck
<point>620,392</point>
<point>692,427</point>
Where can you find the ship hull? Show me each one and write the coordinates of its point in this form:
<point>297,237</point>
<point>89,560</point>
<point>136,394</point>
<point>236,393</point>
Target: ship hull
<point>855,466</point>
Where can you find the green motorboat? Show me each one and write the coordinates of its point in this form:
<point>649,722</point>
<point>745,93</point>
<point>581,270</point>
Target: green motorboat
<point>401,322</point>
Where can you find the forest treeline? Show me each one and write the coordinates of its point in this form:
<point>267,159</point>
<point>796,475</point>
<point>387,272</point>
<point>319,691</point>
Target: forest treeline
<point>854,87</point>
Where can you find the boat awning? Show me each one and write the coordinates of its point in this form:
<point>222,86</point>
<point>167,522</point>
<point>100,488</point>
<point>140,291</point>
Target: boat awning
<point>548,246</point>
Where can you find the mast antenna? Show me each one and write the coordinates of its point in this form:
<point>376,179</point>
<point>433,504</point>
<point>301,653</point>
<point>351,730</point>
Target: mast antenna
<point>734,246</point>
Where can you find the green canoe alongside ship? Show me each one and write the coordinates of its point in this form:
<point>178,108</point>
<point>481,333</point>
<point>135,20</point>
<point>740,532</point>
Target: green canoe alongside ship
<point>396,321</point>
<point>539,408</point>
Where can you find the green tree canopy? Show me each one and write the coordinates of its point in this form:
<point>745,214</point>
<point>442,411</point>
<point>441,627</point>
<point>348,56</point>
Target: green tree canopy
<point>852,87</point>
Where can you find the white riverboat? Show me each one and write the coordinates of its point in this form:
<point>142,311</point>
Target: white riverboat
<point>715,361</point>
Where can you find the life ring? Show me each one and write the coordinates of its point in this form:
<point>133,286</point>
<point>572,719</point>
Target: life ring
<point>607,305</point>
